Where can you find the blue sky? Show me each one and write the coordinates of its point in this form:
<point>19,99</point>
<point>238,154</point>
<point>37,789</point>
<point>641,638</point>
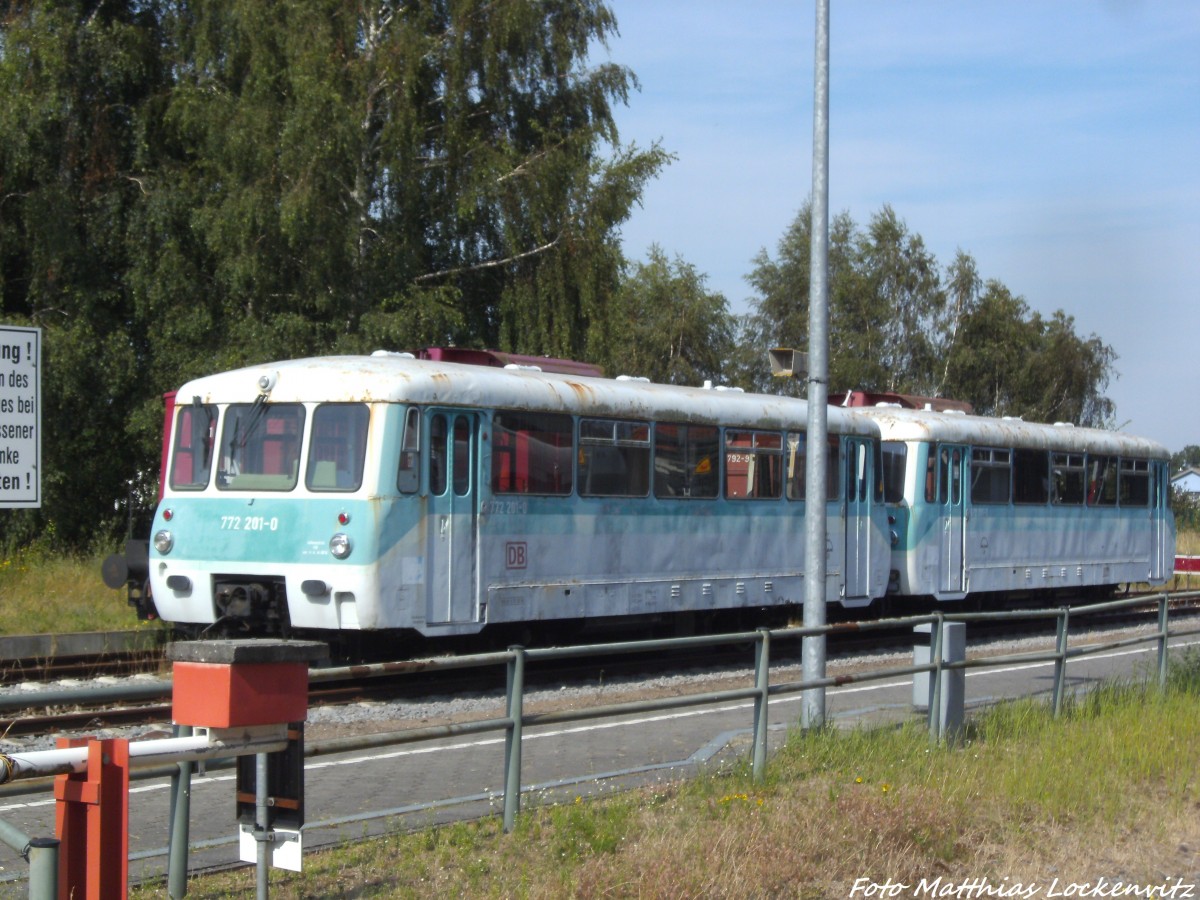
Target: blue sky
<point>1057,142</point>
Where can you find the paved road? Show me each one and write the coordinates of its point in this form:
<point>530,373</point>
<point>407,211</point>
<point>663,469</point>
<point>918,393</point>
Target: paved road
<point>364,793</point>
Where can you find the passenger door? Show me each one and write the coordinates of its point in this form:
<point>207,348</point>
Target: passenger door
<point>453,520</point>
<point>952,483</point>
<point>859,497</point>
<point>1161,540</point>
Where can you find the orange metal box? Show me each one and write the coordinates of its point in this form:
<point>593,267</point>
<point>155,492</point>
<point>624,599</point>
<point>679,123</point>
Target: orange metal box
<point>217,695</point>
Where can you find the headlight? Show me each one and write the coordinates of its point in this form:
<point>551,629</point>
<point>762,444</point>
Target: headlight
<point>164,541</point>
<point>339,546</point>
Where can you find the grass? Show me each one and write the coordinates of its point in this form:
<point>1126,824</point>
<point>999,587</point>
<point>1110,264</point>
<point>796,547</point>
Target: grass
<point>45,594</point>
<point>1110,790</point>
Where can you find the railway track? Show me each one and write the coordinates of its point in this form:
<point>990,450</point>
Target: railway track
<point>54,711</point>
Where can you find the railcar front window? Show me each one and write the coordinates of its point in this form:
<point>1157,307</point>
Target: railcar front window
<point>338,447</point>
<point>192,450</point>
<point>260,446</point>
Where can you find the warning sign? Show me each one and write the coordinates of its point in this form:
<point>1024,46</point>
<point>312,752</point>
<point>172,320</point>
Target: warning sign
<point>20,417</point>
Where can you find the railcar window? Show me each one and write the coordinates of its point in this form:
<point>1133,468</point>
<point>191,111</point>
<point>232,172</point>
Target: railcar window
<point>931,482</point>
<point>686,461</point>
<point>614,458</point>
<point>191,452</point>
<point>856,473</point>
<point>438,428</point>
<point>462,456</point>
<point>338,447</point>
<point>260,446</point>
<point>797,466</point>
<point>1069,478</point>
<point>1102,480</point>
<point>532,453</point>
<point>949,481</point>
<point>953,476</point>
<point>833,481</point>
<point>1031,476</point>
<point>1135,482</point>
<point>408,480</point>
<point>753,465</point>
<point>895,461</point>
<point>991,475</point>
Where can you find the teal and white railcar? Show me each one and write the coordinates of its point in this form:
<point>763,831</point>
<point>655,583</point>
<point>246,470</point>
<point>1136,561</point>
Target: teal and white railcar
<point>984,505</point>
<point>383,493</point>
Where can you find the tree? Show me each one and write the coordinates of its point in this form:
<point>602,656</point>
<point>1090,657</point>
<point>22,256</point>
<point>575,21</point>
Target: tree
<point>72,75</point>
<point>1186,458</point>
<point>996,341</point>
<point>778,314</point>
<point>187,187</point>
<point>675,331</point>
<point>898,324</point>
<point>896,302</point>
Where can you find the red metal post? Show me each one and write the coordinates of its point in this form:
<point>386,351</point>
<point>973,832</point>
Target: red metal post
<point>93,822</point>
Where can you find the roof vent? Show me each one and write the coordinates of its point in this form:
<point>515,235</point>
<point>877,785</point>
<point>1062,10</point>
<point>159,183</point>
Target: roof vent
<point>640,378</point>
<point>403,355</point>
<point>1064,424</point>
<point>515,367</point>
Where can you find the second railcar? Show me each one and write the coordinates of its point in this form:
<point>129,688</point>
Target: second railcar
<point>386,493</point>
<point>982,505</point>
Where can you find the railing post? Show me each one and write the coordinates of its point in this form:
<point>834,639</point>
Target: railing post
<point>1060,662</point>
<point>512,737</point>
<point>1163,634</point>
<point>262,825</point>
<point>92,821</point>
<point>762,682</point>
<point>935,698</point>
<point>181,803</point>
<point>43,869</point>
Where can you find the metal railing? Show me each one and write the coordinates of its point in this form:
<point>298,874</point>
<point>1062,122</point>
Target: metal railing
<point>516,660</point>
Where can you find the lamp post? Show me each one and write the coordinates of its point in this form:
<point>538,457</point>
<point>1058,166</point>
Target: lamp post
<point>813,701</point>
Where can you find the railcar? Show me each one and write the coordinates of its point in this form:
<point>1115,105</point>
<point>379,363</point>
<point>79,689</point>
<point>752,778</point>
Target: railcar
<point>388,494</point>
<point>980,505</point>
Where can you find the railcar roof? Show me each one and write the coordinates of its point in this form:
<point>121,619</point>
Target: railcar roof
<point>399,379</point>
<point>922,425</point>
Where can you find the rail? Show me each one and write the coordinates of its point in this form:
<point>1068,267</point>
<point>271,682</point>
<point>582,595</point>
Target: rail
<point>14,767</point>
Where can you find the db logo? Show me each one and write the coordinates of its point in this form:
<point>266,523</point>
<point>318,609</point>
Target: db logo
<point>516,554</point>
